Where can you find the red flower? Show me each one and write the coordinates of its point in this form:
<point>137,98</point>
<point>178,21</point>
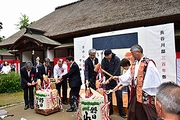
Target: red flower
<point>32,75</point>
<point>62,70</point>
<point>49,71</point>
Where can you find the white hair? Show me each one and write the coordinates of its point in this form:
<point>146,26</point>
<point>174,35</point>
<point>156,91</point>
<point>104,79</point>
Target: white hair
<point>168,94</point>
<point>29,64</point>
<point>92,51</point>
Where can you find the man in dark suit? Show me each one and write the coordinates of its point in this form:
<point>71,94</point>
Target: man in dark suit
<point>28,80</point>
<point>74,83</point>
<point>44,69</point>
<point>90,74</point>
<point>36,63</point>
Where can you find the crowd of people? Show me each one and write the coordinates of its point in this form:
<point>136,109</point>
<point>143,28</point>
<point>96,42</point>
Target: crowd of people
<point>6,68</point>
<point>35,70</point>
<point>140,78</point>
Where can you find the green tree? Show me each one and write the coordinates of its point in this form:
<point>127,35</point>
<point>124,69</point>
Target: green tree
<point>1,25</point>
<point>1,37</point>
<point>24,21</point>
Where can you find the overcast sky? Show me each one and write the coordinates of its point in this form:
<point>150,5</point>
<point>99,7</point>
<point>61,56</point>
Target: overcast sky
<point>10,12</point>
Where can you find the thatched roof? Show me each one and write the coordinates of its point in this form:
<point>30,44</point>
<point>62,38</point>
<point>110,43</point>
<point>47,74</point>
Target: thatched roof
<point>64,45</point>
<point>5,53</point>
<point>12,39</point>
<point>90,14</point>
<point>18,37</point>
<point>27,40</point>
<point>93,16</point>
<point>42,39</point>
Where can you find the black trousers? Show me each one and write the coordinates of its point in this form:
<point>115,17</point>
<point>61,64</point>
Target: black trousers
<point>29,95</point>
<point>92,82</point>
<point>64,90</point>
<point>74,96</point>
<point>119,100</point>
<point>118,94</point>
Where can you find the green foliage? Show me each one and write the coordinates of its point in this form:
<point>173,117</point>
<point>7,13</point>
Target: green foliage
<point>1,37</point>
<point>1,25</point>
<point>24,22</point>
<point>10,83</point>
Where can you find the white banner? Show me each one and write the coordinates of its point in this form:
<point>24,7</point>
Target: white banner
<point>81,48</point>
<point>157,42</point>
<point>161,48</point>
<point>178,71</point>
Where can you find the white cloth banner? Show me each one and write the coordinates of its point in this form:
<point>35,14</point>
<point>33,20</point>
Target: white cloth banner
<point>81,48</point>
<point>158,43</point>
<point>161,48</point>
<point>178,71</point>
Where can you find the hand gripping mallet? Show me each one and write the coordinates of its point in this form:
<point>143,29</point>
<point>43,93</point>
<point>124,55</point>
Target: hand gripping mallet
<point>96,68</point>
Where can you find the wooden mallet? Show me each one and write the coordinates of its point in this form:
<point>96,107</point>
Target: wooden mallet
<point>96,68</point>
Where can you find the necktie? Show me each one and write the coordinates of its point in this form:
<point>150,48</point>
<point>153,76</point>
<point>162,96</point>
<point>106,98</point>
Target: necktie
<point>45,70</point>
<point>28,73</point>
<point>93,61</point>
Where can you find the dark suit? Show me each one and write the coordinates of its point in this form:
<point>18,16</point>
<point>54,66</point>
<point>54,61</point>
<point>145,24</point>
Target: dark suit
<point>35,64</point>
<point>74,82</point>
<point>89,72</point>
<point>28,79</point>
<point>41,71</point>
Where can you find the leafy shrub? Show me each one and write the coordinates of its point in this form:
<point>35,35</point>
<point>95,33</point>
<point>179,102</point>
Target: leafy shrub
<point>10,83</point>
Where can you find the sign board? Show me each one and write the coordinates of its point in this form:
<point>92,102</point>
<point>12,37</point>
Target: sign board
<point>155,40</point>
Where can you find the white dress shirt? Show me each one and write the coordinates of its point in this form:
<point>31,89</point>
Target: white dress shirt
<point>60,71</point>
<point>151,81</point>
<point>45,69</point>
<point>71,63</point>
<point>93,61</point>
<point>6,69</point>
<point>29,73</point>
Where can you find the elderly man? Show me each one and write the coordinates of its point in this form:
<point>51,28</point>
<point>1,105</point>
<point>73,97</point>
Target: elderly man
<point>28,80</point>
<point>144,78</point>
<point>168,101</point>
<point>61,69</point>
<point>90,74</point>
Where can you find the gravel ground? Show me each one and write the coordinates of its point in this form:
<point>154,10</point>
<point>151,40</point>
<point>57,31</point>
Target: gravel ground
<point>30,114</point>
